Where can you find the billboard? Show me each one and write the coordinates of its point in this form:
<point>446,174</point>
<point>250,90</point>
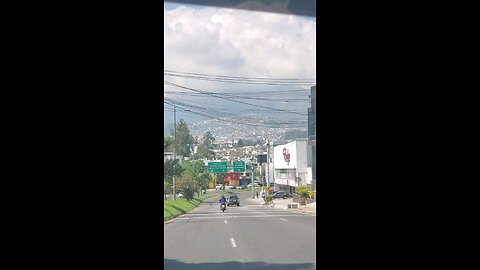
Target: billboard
<point>285,156</point>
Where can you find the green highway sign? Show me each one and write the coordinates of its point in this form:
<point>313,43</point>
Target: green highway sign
<point>239,166</point>
<point>217,167</point>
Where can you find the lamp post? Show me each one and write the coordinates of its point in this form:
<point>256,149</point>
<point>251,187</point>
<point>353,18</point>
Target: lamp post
<point>253,184</point>
<point>174,147</point>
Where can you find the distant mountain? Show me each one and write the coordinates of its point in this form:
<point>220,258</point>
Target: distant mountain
<point>228,131</point>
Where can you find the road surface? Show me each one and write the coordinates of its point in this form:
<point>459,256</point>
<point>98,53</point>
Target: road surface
<point>251,236</point>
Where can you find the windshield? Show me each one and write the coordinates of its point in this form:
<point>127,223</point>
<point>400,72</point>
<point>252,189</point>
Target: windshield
<point>240,114</point>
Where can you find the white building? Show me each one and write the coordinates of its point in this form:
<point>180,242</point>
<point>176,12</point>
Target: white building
<point>290,163</point>
<point>169,156</point>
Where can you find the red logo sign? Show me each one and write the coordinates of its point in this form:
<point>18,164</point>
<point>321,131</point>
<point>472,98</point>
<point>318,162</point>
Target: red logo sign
<point>286,155</point>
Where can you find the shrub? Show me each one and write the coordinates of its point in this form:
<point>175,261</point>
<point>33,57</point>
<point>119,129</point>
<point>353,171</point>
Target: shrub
<point>312,194</point>
<point>268,198</point>
<point>303,193</point>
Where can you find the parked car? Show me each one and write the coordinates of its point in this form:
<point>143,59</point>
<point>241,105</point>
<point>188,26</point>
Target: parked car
<point>219,187</point>
<point>233,200</point>
<point>233,187</point>
<point>280,194</point>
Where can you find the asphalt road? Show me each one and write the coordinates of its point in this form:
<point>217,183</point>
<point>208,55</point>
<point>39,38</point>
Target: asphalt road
<point>247,237</point>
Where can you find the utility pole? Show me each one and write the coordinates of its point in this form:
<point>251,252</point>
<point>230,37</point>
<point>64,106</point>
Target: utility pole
<point>253,185</point>
<point>267,170</point>
<point>174,146</point>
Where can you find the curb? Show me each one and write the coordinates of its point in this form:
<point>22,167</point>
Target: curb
<point>306,212</point>
<point>302,211</point>
<point>172,219</point>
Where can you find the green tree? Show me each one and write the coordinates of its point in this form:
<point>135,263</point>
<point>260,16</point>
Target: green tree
<point>168,144</point>
<point>221,177</point>
<point>184,139</point>
<point>204,179</point>
<point>240,143</point>
<point>248,142</point>
<point>303,192</point>
<point>205,149</point>
<point>199,173</point>
<point>268,198</point>
<point>186,185</point>
<point>167,189</point>
<point>168,170</point>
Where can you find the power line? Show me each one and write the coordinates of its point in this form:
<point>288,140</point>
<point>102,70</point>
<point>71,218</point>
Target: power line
<point>230,99</point>
<point>288,100</point>
<point>249,123</point>
<point>207,108</point>
<point>294,91</point>
<point>238,79</point>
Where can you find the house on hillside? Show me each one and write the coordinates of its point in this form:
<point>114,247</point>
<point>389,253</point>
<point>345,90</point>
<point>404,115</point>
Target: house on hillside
<point>169,156</point>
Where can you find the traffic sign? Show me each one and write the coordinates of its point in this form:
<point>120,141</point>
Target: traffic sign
<point>239,166</point>
<point>217,167</point>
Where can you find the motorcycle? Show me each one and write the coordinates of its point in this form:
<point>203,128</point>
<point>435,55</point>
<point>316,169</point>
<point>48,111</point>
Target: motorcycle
<point>223,207</point>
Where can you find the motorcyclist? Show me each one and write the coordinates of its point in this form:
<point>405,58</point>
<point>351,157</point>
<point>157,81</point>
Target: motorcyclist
<point>223,201</point>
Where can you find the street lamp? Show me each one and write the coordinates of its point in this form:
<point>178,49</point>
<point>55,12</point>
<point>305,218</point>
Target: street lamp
<point>174,147</point>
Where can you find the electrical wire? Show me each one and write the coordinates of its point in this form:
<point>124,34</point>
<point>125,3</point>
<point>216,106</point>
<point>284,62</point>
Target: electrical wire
<point>239,79</point>
<point>249,123</point>
<point>230,99</point>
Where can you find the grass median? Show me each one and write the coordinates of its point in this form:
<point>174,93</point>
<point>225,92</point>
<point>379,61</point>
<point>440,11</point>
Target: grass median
<point>173,209</point>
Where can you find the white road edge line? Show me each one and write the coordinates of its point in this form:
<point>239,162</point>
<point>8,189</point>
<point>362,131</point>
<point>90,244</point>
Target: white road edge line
<point>233,242</point>
<point>283,219</point>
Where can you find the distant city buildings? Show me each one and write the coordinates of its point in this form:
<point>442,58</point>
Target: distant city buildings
<point>288,165</point>
<point>168,156</point>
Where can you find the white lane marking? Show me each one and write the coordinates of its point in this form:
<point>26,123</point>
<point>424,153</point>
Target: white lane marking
<point>283,219</point>
<point>233,242</point>
<point>225,222</point>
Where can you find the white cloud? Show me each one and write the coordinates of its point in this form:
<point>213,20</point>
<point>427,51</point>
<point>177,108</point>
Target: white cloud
<point>238,43</point>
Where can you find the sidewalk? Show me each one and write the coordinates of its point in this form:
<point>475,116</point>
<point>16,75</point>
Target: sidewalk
<point>310,208</point>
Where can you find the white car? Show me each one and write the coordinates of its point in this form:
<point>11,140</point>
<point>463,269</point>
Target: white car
<point>218,187</point>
